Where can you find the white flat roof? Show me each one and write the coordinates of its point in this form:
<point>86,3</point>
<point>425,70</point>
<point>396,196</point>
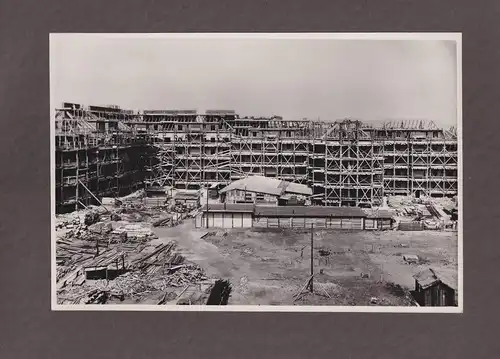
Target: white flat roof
<point>272,186</point>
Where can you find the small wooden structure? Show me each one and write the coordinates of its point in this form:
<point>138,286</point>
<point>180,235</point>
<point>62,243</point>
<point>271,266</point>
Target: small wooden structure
<point>108,265</point>
<point>187,198</point>
<point>378,219</point>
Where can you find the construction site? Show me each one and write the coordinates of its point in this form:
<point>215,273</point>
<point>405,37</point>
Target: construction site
<point>177,207</point>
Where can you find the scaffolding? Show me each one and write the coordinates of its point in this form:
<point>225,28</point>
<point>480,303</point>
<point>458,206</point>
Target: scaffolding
<point>346,162</point>
<point>347,166</point>
<point>419,159</point>
<point>97,154</point>
<point>270,147</point>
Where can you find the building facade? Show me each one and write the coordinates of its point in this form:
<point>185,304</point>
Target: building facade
<point>346,163</point>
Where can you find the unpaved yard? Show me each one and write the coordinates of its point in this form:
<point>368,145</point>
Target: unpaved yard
<point>269,267</point>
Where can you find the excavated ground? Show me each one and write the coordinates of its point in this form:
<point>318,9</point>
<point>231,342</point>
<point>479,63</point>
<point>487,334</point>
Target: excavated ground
<point>269,267</point>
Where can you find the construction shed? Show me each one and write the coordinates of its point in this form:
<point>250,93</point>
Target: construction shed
<point>225,215</point>
<point>380,219</point>
<point>108,265</point>
<point>304,217</point>
<point>262,190</point>
<point>435,288</point>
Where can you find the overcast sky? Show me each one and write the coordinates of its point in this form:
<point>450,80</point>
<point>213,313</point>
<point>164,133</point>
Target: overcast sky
<point>325,79</point>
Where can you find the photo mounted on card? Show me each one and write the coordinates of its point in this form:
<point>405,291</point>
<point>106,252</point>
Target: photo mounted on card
<point>315,172</point>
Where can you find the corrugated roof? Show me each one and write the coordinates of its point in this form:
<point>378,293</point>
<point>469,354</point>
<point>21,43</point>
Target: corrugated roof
<point>306,211</point>
<point>223,207</point>
<point>430,276</point>
<point>267,185</point>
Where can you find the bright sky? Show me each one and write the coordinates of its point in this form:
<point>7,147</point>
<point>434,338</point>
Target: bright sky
<point>325,79</point>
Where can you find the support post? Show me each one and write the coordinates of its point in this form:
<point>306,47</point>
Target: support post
<point>207,204</point>
<point>84,206</point>
<point>312,260</point>
<point>77,180</point>
<point>93,195</point>
<point>117,173</point>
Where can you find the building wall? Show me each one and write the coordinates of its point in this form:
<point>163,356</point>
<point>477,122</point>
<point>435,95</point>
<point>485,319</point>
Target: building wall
<point>438,295</point>
<point>227,221</point>
<point>224,220</point>
<point>377,223</point>
<point>241,196</point>
<point>344,162</point>
<point>305,222</point>
<point>102,170</point>
<point>247,220</point>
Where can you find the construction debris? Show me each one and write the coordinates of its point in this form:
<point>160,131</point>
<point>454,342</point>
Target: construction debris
<point>110,251</point>
<point>91,217</point>
<point>410,258</point>
<point>101,228</point>
<point>417,214</point>
<point>162,222</point>
<point>107,256</point>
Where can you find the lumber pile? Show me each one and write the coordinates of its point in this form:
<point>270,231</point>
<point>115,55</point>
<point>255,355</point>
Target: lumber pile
<point>138,285</point>
<point>135,285</point>
<point>410,226</point>
<point>162,222</point>
<point>160,257</point>
<point>109,257</point>
<point>117,241</point>
<point>214,234</point>
<point>137,195</point>
<point>98,296</point>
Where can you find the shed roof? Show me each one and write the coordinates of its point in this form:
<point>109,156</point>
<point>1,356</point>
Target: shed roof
<point>429,277</point>
<point>267,185</point>
<point>306,211</point>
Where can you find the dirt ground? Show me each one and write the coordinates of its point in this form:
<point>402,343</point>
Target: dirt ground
<point>269,267</point>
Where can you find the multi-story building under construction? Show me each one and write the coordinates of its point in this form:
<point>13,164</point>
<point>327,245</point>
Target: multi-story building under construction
<point>107,151</point>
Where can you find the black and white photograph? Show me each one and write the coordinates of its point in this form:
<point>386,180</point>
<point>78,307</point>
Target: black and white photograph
<point>256,172</point>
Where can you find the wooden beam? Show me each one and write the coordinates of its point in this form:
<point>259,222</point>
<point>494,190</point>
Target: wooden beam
<point>97,199</point>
